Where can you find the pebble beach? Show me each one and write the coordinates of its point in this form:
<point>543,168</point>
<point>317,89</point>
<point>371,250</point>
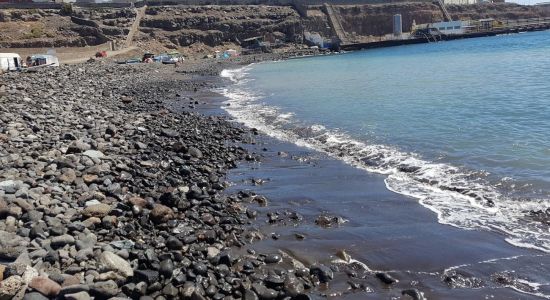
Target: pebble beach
<point>107,194</point>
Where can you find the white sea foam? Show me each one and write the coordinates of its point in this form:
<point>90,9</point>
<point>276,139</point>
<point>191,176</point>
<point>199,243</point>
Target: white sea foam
<point>352,261</point>
<point>458,197</point>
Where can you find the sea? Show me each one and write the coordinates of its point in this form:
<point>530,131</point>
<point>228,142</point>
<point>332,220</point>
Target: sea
<point>462,128</point>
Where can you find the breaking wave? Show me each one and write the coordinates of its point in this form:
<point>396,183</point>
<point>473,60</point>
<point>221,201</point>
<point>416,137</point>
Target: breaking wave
<point>459,197</point>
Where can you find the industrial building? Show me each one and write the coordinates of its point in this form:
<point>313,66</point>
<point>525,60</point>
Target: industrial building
<point>450,27</point>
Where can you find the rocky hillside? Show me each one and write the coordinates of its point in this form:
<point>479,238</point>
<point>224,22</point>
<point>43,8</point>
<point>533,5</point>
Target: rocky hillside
<point>181,26</point>
<point>377,19</point>
<point>113,22</point>
<point>41,28</point>
<point>44,28</point>
<point>498,11</point>
<point>162,28</point>
<point>317,21</point>
<point>201,29</point>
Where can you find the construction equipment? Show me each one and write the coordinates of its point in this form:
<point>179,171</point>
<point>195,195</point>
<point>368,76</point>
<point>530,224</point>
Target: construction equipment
<point>446,14</point>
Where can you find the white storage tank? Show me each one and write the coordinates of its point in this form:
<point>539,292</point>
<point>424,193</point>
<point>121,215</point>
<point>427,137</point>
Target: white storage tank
<point>397,25</point>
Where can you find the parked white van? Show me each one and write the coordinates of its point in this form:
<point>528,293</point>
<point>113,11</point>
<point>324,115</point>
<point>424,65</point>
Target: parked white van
<point>10,62</point>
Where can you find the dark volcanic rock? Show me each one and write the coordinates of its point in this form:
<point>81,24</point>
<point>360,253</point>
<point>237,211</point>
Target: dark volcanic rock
<point>104,289</point>
<point>148,276</point>
<point>385,278</point>
<point>173,243</point>
<point>166,268</point>
<point>35,296</point>
<point>264,292</point>
<point>322,272</point>
<point>195,152</point>
<point>272,259</point>
<point>414,294</point>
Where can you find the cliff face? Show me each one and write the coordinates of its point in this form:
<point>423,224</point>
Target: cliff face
<point>214,25</point>
<point>44,28</point>
<point>198,28</point>
<point>112,22</point>
<point>498,11</point>
<point>376,19</point>
<point>317,21</point>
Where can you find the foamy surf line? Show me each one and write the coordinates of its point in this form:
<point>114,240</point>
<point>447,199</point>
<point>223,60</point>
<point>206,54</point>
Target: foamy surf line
<point>459,198</point>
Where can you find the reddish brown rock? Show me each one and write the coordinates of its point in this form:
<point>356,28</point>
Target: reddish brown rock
<point>89,178</point>
<point>2,269</point>
<point>138,201</point>
<point>68,177</point>
<point>26,206</point>
<point>91,222</point>
<point>97,210</point>
<point>162,214</point>
<point>45,286</point>
<point>71,280</point>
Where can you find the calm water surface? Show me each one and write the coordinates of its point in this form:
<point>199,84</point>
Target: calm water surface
<point>462,126</point>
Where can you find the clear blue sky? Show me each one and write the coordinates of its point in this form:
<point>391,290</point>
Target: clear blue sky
<point>526,1</point>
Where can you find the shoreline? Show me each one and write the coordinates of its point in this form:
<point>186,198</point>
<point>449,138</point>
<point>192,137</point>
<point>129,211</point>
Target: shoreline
<point>442,282</point>
<point>415,41</point>
<point>206,239</point>
<point>384,232</point>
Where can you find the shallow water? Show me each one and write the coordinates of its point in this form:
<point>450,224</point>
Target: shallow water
<point>461,126</point>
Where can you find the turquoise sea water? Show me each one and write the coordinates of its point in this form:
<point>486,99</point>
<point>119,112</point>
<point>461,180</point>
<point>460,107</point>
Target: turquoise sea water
<point>462,126</point>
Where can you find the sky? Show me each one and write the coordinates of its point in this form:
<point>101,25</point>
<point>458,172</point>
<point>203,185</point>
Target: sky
<point>527,1</point>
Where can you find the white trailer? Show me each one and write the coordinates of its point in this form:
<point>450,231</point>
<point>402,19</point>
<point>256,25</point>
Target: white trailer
<point>10,62</point>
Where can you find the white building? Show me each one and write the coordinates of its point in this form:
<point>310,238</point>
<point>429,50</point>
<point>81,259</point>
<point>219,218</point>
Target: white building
<point>452,27</point>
